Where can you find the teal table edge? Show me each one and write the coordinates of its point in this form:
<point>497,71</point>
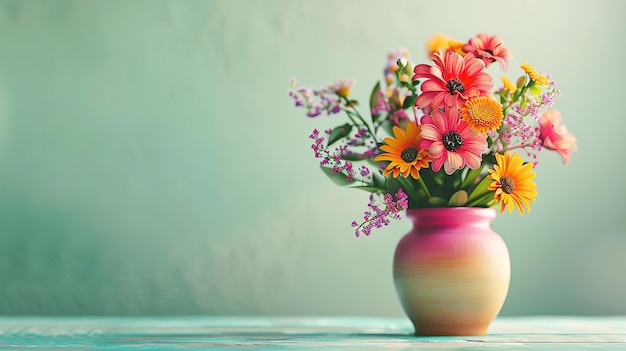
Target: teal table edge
<point>293,332</point>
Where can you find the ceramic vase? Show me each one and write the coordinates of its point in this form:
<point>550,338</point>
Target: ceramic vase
<point>451,271</point>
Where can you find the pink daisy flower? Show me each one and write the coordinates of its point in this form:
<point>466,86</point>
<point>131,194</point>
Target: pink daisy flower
<point>452,80</point>
<point>489,49</point>
<point>451,142</point>
<point>554,135</point>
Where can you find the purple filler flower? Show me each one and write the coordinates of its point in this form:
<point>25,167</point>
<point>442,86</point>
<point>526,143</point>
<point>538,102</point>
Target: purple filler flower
<point>382,208</point>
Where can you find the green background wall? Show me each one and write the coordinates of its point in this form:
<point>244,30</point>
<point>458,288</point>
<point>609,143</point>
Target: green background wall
<point>151,162</point>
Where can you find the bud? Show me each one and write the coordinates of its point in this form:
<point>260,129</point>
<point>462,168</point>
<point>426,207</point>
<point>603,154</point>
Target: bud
<point>405,69</point>
<point>521,81</point>
<point>401,62</point>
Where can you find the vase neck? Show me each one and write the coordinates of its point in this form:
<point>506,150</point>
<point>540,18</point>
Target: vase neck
<point>451,217</point>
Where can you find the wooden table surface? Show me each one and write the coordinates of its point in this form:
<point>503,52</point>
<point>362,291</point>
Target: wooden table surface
<point>324,333</point>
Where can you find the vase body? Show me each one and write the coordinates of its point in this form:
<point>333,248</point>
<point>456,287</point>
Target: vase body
<point>451,271</point>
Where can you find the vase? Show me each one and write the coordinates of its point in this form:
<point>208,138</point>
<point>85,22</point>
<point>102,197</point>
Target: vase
<point>451,271</point>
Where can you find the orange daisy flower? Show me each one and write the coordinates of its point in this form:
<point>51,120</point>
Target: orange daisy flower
<point>482,114</point>
<point>403,150</point>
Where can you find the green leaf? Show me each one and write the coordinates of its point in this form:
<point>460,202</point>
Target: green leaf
<point>408,85</point>
<point>339,133</point>
<point>479,191</point>
<point>409,101</point>
<point>503,97</point>
<point>470,177</point>
<point>489,159</point>
<point>374,97</point>
<point>534,88</point>
<point>378,180</point>
<point>458,199</point>
<point>489,142</point>
<point>485,200</point>
<point>524,102</point>
<point>351,157</point>
<point>338,178</point>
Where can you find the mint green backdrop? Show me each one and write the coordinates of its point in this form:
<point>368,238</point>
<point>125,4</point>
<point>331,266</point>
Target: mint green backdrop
<point>152,163</point>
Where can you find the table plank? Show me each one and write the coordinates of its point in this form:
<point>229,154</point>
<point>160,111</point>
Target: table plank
<point>341,333</point>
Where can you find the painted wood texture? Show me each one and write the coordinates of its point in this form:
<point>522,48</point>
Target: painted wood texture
<point>326,333</point>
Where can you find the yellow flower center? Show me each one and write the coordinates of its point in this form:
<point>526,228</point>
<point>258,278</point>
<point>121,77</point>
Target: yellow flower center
<point>507,184</point>
<point>343,91</point>
<point>409,154</point>
<point>482,114</point>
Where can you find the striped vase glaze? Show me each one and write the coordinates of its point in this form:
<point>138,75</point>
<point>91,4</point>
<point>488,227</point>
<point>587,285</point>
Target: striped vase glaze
<point>452,271</point>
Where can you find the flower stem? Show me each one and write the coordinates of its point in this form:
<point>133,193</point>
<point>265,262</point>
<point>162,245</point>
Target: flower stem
<point>358,115</point>
<point>422,185</point>
<point>518,146</point>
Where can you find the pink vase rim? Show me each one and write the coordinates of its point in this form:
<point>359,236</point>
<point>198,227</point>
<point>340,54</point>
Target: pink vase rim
<point>451,209</point>
<point>454,208</point>
<point>485,213</point>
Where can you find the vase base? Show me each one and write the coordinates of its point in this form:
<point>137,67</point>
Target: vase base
<point>450,330</point>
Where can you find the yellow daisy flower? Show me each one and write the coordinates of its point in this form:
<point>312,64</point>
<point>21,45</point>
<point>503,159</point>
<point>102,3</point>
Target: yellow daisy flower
<point>508,85</point>
<point>512,182</point>
<point>482,114</point>
<point>441,41</point>
<point>536,77</point>
<point>456,46</point>
<point>436,42</point>
<point>403,150</point>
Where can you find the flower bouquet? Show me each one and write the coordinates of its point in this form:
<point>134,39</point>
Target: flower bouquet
<point>441,143</point>
<point>439,134</point>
